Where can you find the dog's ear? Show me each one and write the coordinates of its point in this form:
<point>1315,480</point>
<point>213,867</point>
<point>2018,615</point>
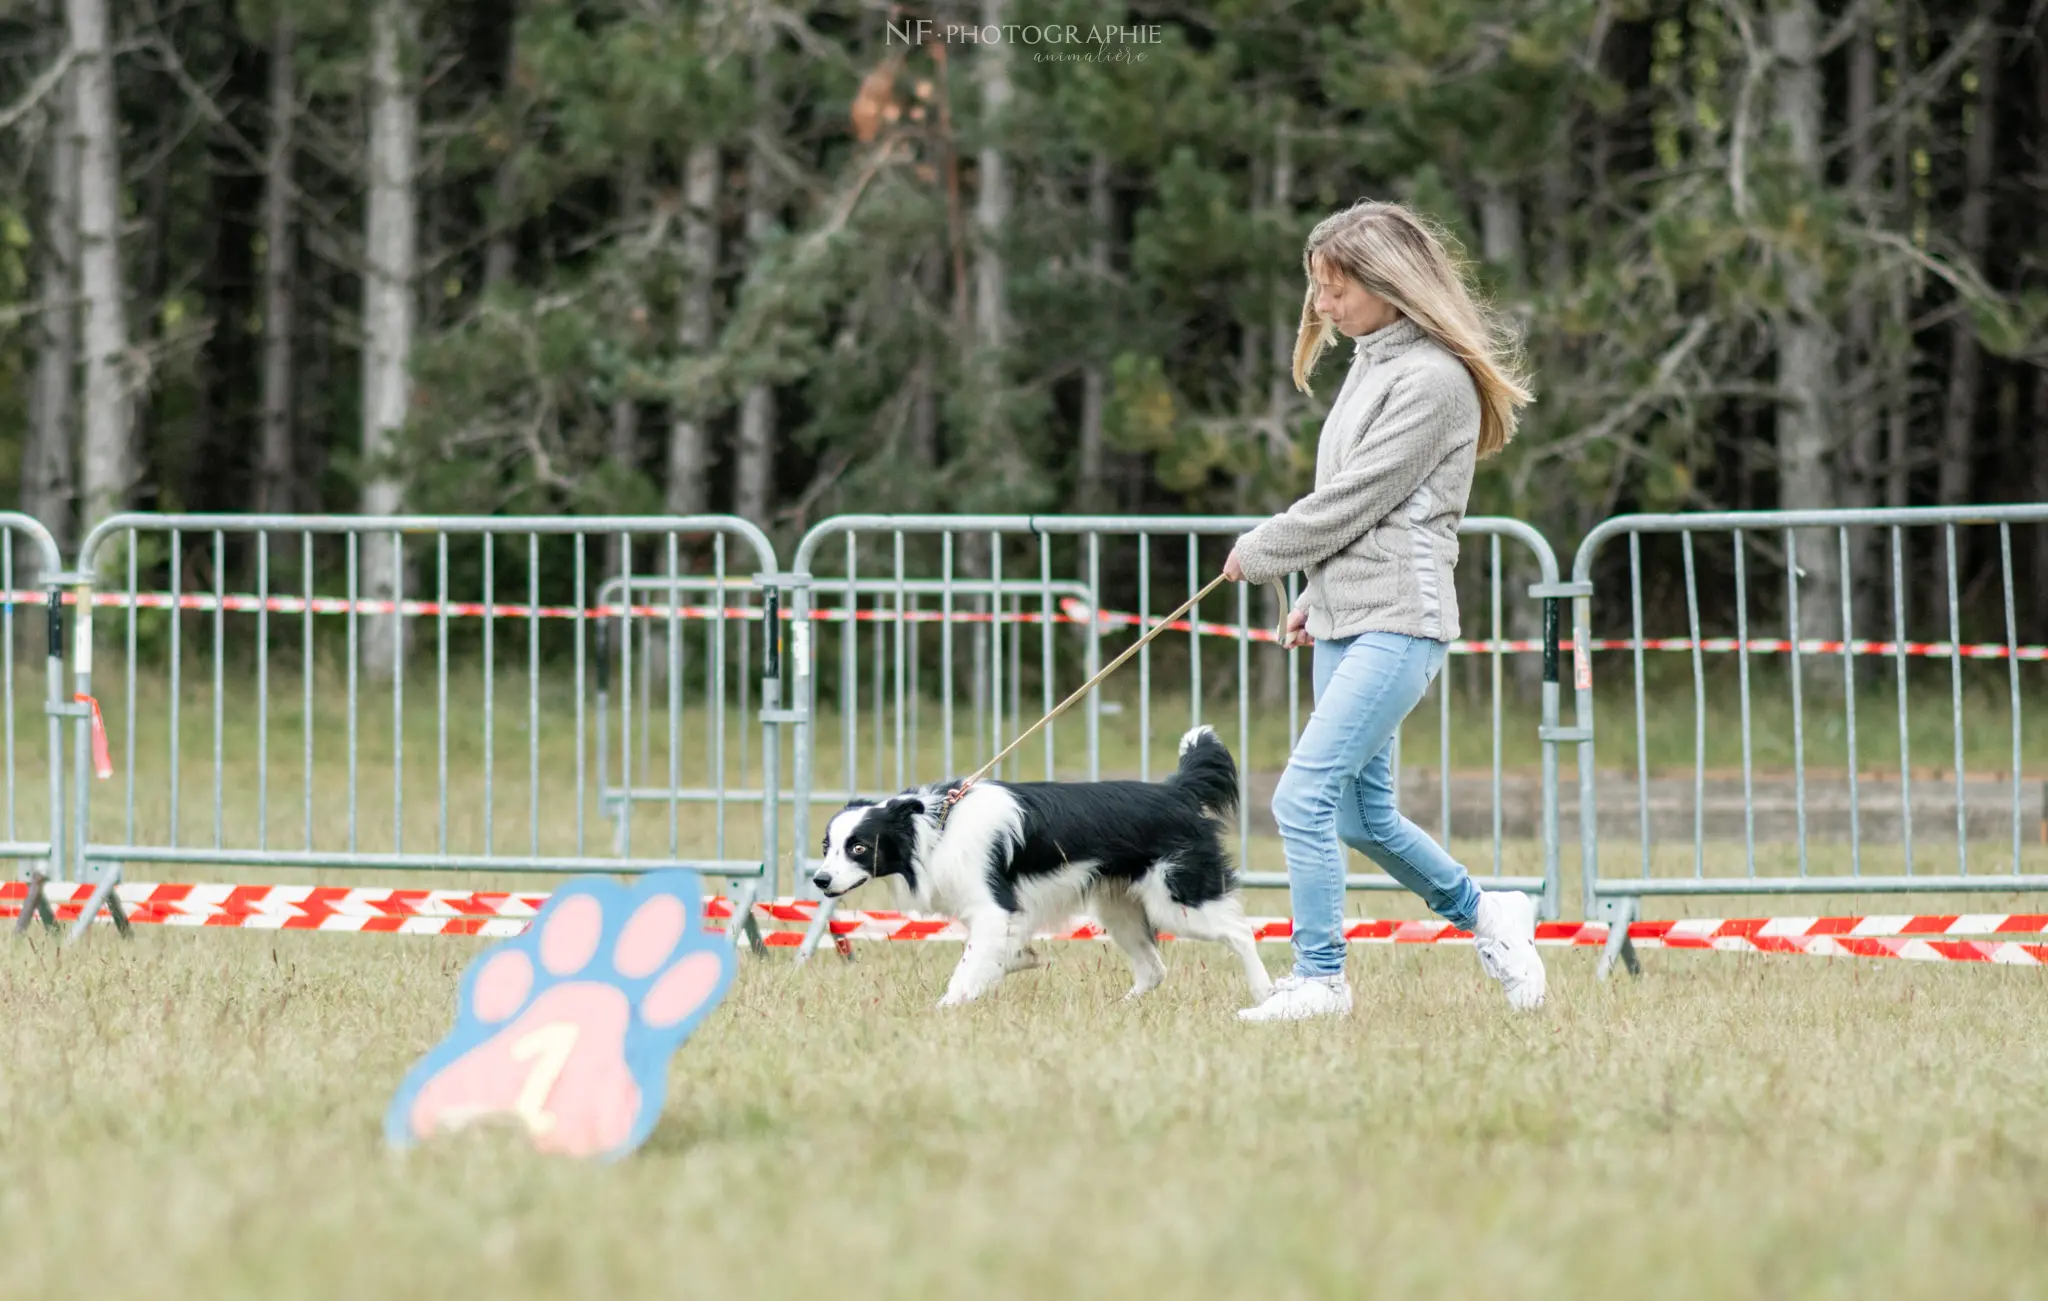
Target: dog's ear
<point>896,838</point>
<point>903,808</point>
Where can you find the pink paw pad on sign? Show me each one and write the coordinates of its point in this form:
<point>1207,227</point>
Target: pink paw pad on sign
<point>568,1029</point>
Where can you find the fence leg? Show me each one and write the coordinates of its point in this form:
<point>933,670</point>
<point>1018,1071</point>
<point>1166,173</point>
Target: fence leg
<point>1618,913</point>
<point>1550,905</point>
<point>103,896</point>
<point>34,901</point>
<point>82,714</point>
<point>1553,734</point>
<point>743,922</point>
<point>771,742</point>
<point>820,927</point>
<point>34,904</point>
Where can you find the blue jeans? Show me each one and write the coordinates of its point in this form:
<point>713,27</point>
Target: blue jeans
<point>1338,790</point>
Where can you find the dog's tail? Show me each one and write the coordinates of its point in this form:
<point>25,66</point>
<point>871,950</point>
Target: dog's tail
<point>1207,772</point>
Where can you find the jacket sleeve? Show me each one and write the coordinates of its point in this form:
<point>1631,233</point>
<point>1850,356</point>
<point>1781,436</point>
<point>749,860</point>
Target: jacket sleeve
<point>1427,414</point>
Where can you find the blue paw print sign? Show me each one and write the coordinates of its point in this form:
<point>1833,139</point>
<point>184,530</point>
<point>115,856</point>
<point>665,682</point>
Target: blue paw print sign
<point>569,1027</point>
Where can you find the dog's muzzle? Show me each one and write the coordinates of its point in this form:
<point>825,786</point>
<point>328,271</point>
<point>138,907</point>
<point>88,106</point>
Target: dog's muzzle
<point>824,881</point>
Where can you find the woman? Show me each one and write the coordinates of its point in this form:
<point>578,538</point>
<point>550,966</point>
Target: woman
<point>1433,386</point>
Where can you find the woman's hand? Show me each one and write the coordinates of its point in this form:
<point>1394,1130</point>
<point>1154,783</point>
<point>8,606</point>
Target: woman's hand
<point>1297,630</point>
<point>1231,570</point>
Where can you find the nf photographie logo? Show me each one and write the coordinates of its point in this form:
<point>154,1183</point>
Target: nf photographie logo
<point>1049,42</point>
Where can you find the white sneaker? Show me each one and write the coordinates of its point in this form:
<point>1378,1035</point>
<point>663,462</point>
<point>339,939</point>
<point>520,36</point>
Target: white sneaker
<point>1296,998</point>
<point>1504,933</point>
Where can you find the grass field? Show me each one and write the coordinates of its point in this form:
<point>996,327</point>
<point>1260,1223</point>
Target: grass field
<point>198,1116</point>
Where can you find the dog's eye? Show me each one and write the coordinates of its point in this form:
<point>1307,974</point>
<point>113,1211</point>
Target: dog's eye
<point>858,850</point>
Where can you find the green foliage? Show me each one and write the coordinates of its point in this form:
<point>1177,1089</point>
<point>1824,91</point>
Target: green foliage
<point>1617,173</point>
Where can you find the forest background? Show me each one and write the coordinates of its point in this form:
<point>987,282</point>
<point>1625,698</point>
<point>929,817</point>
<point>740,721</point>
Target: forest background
<point>788,259</point>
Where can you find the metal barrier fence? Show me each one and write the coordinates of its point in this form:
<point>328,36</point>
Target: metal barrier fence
<point>949,634</point>
<point>348,756</point>
<point>25,545</point>
<point>658,604</point>
<point>1828,564</point>
<point>650,613</point>
<point>970,563</point>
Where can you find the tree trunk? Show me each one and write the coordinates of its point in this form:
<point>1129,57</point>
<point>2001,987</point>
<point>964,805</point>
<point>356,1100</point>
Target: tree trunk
<point>108,450</point>
<point>218,460</point>
<point>622,437</point>
<point>46,471</point>
<point>754,452</point>
<point>1500,230</point>
<point>1805,348</point>
<point>2040,493</point>
<point>1899,386</point>
<point>1093,493</point>
<point>391,253</point>
<point>1953,484</point>
<point>689,443</point>
<point>622,433</point>
<point>992,198</point>
<point>1860,372</point>
<point>997,446</point>
<point>147,263</point>
<point>501,253</point>
<point>924,377</point>
<point>275,464</point>
<point>2040,425</point>
<point>322,371</point>
<point>754,477</point>
<point>1864,370</point>
<point>2012,471</point>
<point>1556,207</point>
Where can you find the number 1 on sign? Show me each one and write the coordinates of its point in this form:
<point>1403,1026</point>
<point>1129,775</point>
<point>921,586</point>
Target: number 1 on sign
<point>548,1048</point>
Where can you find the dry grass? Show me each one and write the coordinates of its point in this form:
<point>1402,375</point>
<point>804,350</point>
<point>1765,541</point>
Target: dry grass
<point>198,1115</point>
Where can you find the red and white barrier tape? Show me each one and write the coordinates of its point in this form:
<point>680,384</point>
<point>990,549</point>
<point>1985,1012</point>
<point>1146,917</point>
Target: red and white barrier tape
<point>242,603</point>
<point>236,603</point>
<point>302,907</point>
<point>498,914</point>
<point>1072,611</point>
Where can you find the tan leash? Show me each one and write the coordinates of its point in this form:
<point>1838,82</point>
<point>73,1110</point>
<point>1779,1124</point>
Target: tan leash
<point>953,797</point>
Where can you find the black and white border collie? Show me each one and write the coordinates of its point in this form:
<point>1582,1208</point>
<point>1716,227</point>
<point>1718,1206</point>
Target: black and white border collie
<point>1013,857</point>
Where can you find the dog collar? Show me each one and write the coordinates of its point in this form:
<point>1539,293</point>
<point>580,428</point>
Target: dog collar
<point>952,798</point>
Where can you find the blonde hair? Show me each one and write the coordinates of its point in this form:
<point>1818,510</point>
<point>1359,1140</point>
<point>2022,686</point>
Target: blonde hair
<point>1405,259</point>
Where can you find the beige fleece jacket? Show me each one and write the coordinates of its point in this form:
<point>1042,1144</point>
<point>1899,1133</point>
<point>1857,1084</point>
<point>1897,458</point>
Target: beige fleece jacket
<point>1378,535</point>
